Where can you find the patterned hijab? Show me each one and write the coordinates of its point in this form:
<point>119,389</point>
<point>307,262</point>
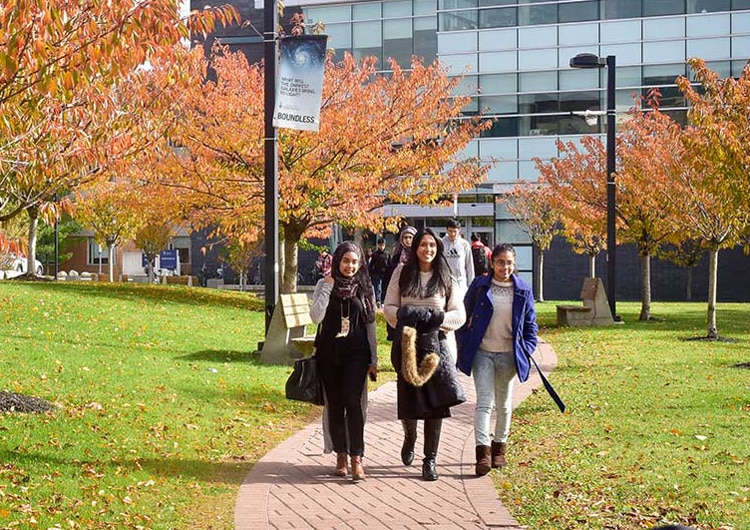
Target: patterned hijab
<point>359,285</point>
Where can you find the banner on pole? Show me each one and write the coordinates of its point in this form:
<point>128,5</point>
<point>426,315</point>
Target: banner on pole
<point>300,83</point>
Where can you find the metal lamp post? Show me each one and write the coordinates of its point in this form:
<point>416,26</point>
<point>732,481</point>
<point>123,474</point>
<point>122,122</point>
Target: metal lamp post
<point>590,60</point>
<point>271,161</point>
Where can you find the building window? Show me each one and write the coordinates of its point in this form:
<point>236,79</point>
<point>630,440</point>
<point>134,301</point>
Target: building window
<point>663,7</point>
<point>532,15</point>
<point>493,16</point>
<point>708,6</point>
<point>182,245</point>
<point>614,9</point>
<point>96,253</point>
<point>579,11</point>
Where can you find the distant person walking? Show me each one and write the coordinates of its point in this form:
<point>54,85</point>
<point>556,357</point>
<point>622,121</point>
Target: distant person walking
<point>495,345</point>
<point>346,349</point>
<point>421,303</point>
<point>400,254</point>
<point>378,268</point>
<point>480,255</point>
<point>458,254</point>
<point>323,263</point>
<point>400,251</point>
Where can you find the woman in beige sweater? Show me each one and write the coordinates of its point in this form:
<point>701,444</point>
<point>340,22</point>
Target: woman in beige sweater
<point>423,302</point>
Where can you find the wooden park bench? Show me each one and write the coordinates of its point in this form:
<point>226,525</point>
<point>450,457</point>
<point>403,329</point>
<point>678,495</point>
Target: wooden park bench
<point>287,337</point>
<point>594,311</point>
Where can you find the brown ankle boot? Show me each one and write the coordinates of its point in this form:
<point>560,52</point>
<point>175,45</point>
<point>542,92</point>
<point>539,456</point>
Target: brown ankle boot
<point>341,469</point>
<point>358,472</point>
<point>498,454</point>
<point>483,460</point>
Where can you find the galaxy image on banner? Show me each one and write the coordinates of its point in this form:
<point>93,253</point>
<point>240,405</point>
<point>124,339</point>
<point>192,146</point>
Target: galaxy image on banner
<point>303,53</point>
<point>300,82</point>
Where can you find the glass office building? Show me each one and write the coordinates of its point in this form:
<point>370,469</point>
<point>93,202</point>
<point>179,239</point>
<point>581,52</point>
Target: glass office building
<point>515,57</point>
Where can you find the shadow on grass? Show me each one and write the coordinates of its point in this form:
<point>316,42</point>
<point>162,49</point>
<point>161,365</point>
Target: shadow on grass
<point>223,356</point>
<point>161,293</point>
<point>232,472</point>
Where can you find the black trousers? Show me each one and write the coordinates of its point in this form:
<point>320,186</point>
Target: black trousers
<point>343,377</point>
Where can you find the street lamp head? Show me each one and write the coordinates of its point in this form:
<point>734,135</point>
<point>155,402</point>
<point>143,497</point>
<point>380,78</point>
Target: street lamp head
<point>588,60</point>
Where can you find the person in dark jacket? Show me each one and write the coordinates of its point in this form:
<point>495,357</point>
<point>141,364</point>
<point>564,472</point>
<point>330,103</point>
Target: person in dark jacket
<point>421,304</point>
<point>378,266</point>
<point>495,345</point>
<point>346,349</point>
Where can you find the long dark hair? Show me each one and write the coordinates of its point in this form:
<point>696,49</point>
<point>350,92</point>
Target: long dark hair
<point>441,281</point>
<point>360,285</point>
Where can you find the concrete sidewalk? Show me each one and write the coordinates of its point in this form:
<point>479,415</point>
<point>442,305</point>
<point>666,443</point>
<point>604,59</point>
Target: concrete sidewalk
<point>293,486</point>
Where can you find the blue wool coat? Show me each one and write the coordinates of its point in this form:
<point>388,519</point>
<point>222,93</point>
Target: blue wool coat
<point>479,309</point>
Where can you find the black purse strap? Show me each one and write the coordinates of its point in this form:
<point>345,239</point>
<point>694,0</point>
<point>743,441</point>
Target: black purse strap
<point>548,386</point>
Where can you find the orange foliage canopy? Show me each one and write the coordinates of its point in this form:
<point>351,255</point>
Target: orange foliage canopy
<point>382,139</point>
<point>60,64</point>
<point>577,182</point>
<point>650,152</point>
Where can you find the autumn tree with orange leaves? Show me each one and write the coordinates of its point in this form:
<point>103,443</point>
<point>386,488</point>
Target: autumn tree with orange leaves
<point>108,210</point>
<point>577,184</point>
<point>533,206</point>
<point>650,150</point>
<point>60,67</point>
<point>713,189</point>
<point>382,139</point>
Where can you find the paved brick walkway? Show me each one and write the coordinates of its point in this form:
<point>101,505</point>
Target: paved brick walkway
<point>293,486</point>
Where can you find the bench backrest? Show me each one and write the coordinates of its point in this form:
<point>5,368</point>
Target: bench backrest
<point>296,310</point>
<point>588,291</point>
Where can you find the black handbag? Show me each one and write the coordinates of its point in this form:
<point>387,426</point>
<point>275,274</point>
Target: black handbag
<point>303,383</point>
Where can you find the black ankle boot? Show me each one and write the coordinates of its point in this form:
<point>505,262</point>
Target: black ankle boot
<point>410,438</point>
<point>429,469</point>
<point>431,442</point>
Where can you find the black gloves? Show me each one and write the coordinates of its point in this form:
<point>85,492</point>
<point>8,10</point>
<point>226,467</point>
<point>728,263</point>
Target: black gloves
<point>433,322</point>
<point>423,319</point>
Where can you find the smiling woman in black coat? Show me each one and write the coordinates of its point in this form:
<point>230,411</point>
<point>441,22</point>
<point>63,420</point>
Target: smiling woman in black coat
<point>422,303</point>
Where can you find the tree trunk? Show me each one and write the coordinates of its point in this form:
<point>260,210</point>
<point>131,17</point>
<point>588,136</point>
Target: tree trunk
<point>539,273</point>
<point>31,255</point>
<point>713,333</point>
<point>689,293</point>
<point>645,286</point>
<point>150,261</point>
<point>290,263</point>
<point>111,255</point>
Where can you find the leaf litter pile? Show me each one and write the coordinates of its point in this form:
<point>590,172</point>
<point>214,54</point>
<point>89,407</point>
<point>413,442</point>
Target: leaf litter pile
<point>12,402</point>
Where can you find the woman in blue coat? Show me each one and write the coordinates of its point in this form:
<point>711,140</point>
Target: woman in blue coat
<point>494,345</point>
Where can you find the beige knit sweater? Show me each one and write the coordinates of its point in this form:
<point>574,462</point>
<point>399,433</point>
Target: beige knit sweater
<point>455,313</point>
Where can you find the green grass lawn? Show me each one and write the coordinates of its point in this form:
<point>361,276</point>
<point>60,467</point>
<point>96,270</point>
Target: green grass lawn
<point>657,428</point>
<point>163,408</point>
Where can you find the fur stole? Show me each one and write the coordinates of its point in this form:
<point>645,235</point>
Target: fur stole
<point>413,373</point>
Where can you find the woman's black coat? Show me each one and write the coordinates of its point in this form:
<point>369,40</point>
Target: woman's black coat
<point>443,390</point>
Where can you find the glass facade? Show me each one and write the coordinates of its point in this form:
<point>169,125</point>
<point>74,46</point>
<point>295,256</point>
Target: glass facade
<point>515,54</point>
<point>515,57</point>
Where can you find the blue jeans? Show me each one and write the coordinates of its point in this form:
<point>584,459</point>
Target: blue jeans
<point>494,374</point>
<point>377,285</point>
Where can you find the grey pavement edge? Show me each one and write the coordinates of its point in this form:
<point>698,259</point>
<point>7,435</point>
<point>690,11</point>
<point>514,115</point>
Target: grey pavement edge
<point>293,485</point>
